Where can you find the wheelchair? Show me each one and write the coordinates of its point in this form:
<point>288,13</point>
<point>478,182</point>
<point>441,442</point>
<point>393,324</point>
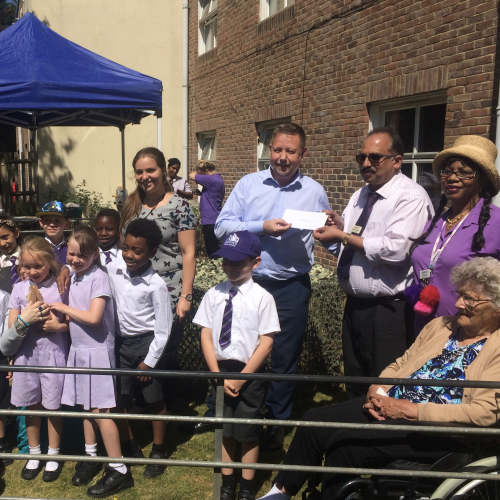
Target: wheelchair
<point>479,460</point>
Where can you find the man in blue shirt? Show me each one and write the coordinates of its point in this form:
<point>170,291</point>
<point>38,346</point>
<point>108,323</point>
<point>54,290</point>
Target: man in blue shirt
<point>257,204</point>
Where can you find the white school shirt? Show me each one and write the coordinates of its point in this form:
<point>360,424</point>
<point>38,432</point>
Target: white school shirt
<point>400,214</point>
<point>115,254</point>
<point>180,183</point>
<point>142,305</point>
<point>5,259</point>
<point>4,311</point>
<point>254,314</point>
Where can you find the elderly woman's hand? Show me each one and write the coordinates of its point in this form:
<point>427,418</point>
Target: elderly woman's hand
<point>33,313</point>
<point>372,392</point>
<point>390,408</point>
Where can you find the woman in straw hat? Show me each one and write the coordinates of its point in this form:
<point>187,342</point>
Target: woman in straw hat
<point>465,225</point>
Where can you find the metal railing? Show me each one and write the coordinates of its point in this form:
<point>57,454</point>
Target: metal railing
<point>217,463</point>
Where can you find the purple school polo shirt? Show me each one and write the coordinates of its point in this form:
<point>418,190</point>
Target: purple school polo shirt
<point>457,251</point>
<point>211,197</point>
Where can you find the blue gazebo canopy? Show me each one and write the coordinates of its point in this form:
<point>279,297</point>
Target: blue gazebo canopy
<point>46,80</point>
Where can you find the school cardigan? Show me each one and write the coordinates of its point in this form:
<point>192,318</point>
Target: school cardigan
<point>479,406</point>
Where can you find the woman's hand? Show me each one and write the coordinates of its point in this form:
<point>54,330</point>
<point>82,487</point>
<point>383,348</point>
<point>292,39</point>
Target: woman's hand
<point>183,307</point>
<point>63,280</point>
<point>390,408</point>
<point>33,313</point>
<point>372,392</point>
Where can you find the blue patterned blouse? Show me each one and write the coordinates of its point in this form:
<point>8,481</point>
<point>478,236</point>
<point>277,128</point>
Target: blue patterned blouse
<point>449,365</point>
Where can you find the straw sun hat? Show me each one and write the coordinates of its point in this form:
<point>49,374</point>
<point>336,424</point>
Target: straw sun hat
<point>476,148</point>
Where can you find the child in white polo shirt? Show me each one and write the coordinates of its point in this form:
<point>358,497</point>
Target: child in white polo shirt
<point>145,321</point>
<point>238,320</point>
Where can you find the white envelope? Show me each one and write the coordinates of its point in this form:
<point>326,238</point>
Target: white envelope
<point>305,220</point>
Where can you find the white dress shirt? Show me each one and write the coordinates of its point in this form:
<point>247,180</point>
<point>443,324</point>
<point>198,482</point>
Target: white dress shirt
<point>5,258</point>
<point>254,314</point>
<point>400,213</point>
<point>115,254</point>
<point>142,305</point>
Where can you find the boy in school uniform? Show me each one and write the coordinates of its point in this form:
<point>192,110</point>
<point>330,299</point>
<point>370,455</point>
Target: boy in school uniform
<point>239,319</point>
<point>107,225</point>
<point>54,220</point>
<point>145,321</point>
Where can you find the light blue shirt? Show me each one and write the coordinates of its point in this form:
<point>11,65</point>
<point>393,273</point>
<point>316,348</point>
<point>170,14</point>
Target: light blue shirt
<point>257,198</point>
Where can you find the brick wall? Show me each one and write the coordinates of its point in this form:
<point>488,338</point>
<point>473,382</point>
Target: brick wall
<point>323,62</point>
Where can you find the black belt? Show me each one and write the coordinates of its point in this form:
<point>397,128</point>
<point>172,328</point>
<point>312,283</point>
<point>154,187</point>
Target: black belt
<point>377,300</point>
<point>139,336</point>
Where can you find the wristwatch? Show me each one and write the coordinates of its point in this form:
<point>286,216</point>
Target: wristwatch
<point>346,239</point>
<point>188,297</point>
<point>20,328</point>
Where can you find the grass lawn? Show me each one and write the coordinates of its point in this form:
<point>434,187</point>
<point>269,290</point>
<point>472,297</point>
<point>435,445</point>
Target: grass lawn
<point>177,483</point>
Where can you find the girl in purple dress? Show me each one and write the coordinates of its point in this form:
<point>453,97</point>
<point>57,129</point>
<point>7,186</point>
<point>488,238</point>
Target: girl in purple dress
<point>46,343</point>
<point>92,329</point>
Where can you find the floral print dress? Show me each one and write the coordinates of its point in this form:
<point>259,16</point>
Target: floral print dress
<point>449,365</point>
<point>175,216</point>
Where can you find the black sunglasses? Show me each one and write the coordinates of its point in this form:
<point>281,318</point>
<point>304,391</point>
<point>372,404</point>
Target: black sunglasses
<point>373,157</point>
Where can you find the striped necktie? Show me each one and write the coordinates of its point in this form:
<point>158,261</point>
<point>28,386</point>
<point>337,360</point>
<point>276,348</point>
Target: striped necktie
<point>227,320</point>
<point>13,274</point>
<point>344,263</point>
<point>108,258</point>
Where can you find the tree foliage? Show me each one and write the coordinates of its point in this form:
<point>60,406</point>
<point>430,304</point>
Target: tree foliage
<point>7,13</point>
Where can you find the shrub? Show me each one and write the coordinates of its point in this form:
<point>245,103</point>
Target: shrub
<point>322,353</point>
<point>91,201</point>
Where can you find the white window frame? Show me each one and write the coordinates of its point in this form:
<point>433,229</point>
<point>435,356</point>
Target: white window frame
<point>261,128</point>
<point>207,19</point>
<point>377,119</point>
<point>266,7</point>
<point>205,136</point>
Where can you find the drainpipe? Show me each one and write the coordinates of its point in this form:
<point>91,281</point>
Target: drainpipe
<point>185,84</point>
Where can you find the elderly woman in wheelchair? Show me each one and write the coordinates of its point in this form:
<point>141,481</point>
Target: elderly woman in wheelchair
<point>461,347</point>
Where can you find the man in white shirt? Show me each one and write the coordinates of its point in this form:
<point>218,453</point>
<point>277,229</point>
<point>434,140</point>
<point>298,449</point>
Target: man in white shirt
<point>145,321</point>
<point>179,184</point>
<point>372,240</point>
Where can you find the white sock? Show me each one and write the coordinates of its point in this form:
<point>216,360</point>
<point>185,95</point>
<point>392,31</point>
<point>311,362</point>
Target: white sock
<point>33,464</point>
<point>51,465</point>
<point>121,468</point>
<point>275,494</point>
<point>91,449</point>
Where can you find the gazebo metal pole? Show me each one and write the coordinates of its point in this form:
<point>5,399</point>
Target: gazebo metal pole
<point>122,130</point>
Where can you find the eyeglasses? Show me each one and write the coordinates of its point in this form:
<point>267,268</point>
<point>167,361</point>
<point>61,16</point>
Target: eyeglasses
<point>374,158</point>
<point>461,174</point>
<point>470,303</point>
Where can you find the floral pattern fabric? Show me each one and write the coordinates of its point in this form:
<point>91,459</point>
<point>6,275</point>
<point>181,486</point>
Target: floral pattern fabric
<point>175,216</point>
<point>449,365</point>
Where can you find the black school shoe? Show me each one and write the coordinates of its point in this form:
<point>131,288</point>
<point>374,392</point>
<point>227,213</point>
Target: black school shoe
<point>111,482</point>
<point>227,493</point>
<point>30,474</point>
<point>52,475</point>
<point>153,470</point>
<point>5,448</point>
<point>84,472</point>
<point>246,495</point>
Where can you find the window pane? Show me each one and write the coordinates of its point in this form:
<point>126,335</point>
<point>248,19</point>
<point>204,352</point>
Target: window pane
<point>266,140</point>
<point>406,169</point>
<point>428,181</point>
<point>431,129</point>
<point>205,8</point>
<point>205,148</point>
<point>276,6</point>
<point>214,5</point>
<point>213,153</point>
<point>402,121</point>
<point>263,164</point>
